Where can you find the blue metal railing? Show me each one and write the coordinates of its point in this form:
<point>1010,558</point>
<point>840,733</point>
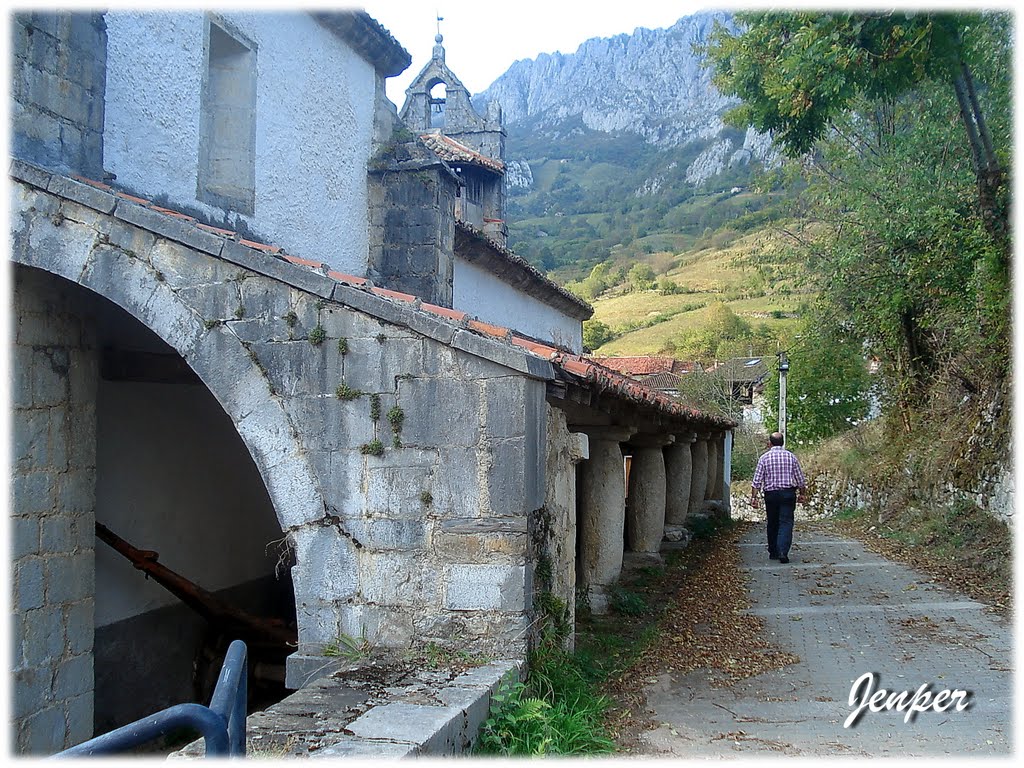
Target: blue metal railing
<point>222,724</point>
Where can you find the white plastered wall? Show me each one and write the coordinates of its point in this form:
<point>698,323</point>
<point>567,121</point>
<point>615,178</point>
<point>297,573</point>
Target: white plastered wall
<point>314,124</point>
<point>480,293</point>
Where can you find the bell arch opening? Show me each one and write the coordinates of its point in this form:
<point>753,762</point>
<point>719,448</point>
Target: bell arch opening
<point>438,104</point>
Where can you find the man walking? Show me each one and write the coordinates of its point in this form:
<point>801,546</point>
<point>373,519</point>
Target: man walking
<point>779,475</point>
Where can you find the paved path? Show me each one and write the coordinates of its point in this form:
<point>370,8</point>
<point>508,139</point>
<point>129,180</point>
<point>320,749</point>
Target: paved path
<point>845,611</point>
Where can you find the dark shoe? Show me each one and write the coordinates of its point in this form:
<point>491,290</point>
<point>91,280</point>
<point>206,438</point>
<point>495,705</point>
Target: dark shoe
<point>773,557</point>
<point>783,559</point>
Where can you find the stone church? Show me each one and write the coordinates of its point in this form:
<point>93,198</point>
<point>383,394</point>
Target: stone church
<point>271,348</point>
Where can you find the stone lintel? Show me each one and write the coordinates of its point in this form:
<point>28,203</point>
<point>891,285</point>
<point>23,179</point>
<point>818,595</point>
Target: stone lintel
<point>614,433</point>
<point>580,448</point>
<point>685,437</point>
<point>649,440</point>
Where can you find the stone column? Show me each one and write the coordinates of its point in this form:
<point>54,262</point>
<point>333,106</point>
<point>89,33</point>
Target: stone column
<point>646,512</point>
<point>678,464</point>
<point>602,505</point>
<point>720,491</point>
<point>698,474</point>
<point>713,464</point>
<point>727,472</point>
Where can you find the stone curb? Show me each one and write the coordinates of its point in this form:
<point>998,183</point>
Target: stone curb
<point>390,729</point>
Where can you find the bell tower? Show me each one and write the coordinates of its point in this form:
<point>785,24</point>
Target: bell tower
<point>438,109</point>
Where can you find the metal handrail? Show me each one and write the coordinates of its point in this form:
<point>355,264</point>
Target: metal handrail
<point>222,724</point>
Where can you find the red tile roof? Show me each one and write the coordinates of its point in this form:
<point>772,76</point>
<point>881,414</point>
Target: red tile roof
<point>638,366</point>
<point>596,376</point>
<point>451,151</point>
<point>661,381</point>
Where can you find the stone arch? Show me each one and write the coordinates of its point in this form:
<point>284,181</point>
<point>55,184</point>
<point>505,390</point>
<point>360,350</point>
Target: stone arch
<point>215,354</point>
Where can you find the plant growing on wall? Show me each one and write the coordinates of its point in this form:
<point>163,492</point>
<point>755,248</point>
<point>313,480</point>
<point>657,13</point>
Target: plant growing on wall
<point>373,448</point>
<point>396,417</point>
<point>317,336</point>
<point>345,392</point>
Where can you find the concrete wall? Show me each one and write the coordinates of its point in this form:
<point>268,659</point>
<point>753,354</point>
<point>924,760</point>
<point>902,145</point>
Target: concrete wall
<point>314,125</point>
<point>480,293</point>
<point>58,68</point>
<point>53,479</point>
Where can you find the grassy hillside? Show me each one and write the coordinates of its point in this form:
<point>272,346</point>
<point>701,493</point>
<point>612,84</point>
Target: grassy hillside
<point>647,322</point>
<point>597,195</point>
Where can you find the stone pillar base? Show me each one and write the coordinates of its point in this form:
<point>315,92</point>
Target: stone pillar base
<point>677,533</point>
<point>632,561</point>
<point>597,596</point>
<point>716,508</point>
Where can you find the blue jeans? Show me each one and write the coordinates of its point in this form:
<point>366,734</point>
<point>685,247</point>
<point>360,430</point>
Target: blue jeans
<point>780,507</point>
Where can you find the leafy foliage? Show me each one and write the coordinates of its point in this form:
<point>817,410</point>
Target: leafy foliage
<point>641,277</point>
<point>723,334</point>
<point>596,333</point>
<point>827,384</point>
<point>556,712</point>
<point>797,72</point>
<point>906,238</point>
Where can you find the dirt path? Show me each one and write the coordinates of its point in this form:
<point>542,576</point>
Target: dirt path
<point>844,611</point>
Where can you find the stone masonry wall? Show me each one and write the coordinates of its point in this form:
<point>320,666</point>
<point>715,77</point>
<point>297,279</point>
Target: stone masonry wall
<point>992,493</point>
<point>553,531</point>
<point>430,467</point>
<point>53,507</point>
<point>403,455</point>
<point>412,232</point>
<point>58,83</point>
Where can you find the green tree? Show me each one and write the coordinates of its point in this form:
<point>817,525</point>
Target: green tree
<point>904,251</point>
<point>668,287</point>
<point>796,73</point>
<point>597,281</point>
<point>641,277</point>
<point>721,328</point>
<point>596,334</point>
<point>827,387</point>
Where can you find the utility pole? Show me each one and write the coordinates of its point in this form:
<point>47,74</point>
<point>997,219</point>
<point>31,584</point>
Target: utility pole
<point>783,370</point>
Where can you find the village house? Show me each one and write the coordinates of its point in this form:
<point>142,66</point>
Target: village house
<point>269,337</point>
<point>744,378</point>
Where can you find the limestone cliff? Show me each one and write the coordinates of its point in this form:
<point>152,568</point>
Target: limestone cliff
<point>651,83</point>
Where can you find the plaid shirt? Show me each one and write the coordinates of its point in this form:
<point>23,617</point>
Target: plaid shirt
<point>778,468</point>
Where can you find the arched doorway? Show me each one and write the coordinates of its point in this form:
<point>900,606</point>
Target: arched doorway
<point>135,441</point>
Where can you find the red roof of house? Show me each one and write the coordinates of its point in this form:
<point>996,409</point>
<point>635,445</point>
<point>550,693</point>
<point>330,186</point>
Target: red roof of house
<point>598,377</point>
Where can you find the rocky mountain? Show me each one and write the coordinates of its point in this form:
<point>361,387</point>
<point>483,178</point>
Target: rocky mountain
<point>619,151</point>
<point>651,83</point>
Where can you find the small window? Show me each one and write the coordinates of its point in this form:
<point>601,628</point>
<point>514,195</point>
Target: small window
<point>227,145</point>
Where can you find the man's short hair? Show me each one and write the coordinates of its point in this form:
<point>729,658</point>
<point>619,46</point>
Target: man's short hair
<point>776,438</point>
